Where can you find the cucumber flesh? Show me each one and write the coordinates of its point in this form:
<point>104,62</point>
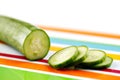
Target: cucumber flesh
<point>106,63</point>
<point>36,45</point>
<point>82,54</point>
<point>63,57</point>
<point>94,57</point>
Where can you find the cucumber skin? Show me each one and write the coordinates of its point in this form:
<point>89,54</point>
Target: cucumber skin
<point>103,66</point>
<point>14,32</point>
<point>64,64</point>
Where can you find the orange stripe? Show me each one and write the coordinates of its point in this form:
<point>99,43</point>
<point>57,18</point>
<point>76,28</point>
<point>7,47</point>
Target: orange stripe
<point>79,73</point>
<point>81,32</point>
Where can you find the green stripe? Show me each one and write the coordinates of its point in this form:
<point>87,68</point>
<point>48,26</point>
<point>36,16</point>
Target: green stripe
<point>15,74</point>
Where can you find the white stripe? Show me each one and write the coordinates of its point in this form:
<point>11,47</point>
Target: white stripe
<point>115,65</point>
<point>49,73</point>
<point>8,49</point>
<point>82,37</point>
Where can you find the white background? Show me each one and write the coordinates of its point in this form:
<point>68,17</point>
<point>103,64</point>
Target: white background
<point>93,15</point>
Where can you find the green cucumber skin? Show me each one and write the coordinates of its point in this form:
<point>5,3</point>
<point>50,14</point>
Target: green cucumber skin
<point>14,32</point>
<point>68,62</point>
<point>102,66</point>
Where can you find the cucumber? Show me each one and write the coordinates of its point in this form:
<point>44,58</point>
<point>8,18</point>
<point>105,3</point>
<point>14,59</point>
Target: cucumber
<point>82,54</point>
<point>94,57</point>
<point>34,43</point>
<point>105,64</point>
<point>63,57</point>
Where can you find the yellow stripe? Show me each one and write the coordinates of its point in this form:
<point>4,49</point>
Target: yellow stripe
<point>114,56</point>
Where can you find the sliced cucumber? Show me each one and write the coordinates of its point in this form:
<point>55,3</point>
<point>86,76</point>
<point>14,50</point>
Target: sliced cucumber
<point>94,57</point>
<point>63,57</point>
<point>82,54</point>
<point>34,43</point>
<point>79,57</point>
<point>106,63</point>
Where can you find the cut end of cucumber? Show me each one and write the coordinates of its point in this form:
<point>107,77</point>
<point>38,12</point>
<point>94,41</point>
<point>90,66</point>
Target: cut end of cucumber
<point>63,57</point>
<point>36,45</point>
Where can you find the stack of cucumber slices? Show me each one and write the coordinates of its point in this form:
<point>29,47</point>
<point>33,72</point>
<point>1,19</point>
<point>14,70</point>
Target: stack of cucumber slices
<point>80,57</point>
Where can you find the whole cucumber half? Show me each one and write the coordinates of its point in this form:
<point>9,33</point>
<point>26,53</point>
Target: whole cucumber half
<point>34,43</point>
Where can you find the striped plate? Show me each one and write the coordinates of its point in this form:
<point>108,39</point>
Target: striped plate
<point>14,66</point>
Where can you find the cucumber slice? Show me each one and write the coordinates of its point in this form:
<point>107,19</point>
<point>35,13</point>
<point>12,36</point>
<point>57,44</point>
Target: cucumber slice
<point>63,57</point>
<point>82,54</point>
<point>34,43</point>
<point>105,64</point>
<point>94,57</point>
